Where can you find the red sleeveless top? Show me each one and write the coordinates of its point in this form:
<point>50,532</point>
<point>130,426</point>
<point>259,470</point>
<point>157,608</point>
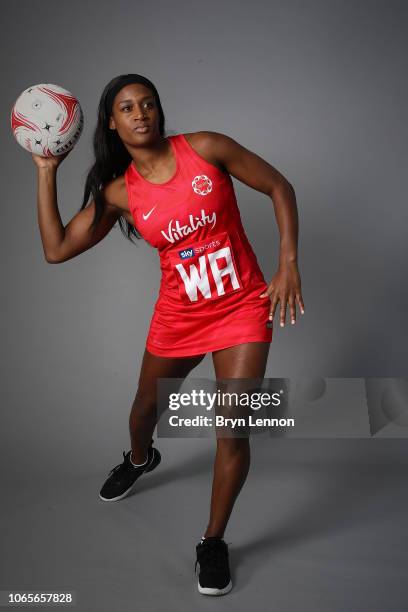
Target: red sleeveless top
<point>211,281</point>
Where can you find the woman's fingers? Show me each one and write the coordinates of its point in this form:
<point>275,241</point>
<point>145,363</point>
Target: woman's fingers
<point>292,309</point>
<point>49,162</point>
<point>285,297</point>
<point>284,301</point>
<point>282,314</point>
<point>300,302</point>
<point>274,302</point>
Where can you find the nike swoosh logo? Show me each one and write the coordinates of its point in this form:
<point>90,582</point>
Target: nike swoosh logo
<point>145,217</point>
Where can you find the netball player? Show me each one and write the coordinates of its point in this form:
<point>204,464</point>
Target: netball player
<point>176,193</point>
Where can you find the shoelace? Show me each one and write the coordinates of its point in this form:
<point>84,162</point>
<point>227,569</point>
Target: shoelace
<point>119,464</point>
<point>212,552</point>
<point>126,461</point>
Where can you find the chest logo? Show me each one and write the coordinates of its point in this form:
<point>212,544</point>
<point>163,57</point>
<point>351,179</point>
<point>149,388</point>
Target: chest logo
<point>201,184</point>
<point>145,217</point>
<point>176,230</point>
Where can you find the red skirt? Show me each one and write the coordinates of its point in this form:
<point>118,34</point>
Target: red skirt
<point>184,332</point>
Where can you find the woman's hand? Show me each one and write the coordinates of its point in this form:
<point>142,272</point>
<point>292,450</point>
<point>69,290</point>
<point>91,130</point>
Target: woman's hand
<point>285,287</point>
<point>49,162</point>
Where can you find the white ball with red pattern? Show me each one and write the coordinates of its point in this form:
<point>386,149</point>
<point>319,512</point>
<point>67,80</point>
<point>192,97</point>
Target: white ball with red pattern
<point>47,120</point>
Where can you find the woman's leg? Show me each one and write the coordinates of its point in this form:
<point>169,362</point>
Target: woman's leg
<point>232,457</point>
<point>143,416</point>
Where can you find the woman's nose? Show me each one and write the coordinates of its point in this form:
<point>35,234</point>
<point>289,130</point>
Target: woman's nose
<point>140,113</point>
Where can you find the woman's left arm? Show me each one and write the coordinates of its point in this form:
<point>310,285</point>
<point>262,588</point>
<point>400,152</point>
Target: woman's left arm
<point>249,168</point>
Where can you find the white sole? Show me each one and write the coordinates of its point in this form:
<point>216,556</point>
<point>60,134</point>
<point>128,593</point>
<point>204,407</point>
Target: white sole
<point>113,499</point>
<point>209,591</point>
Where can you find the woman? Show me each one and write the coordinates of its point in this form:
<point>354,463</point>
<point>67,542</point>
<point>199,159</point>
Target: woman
<point>177,194</point>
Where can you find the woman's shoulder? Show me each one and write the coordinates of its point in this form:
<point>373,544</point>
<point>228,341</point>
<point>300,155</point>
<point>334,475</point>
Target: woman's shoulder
<point>205,144</point>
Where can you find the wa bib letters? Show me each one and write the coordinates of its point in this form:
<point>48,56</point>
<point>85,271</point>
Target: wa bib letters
<point>206,270</point>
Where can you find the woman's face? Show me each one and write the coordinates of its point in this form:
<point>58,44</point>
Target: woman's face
<point>135,107</point>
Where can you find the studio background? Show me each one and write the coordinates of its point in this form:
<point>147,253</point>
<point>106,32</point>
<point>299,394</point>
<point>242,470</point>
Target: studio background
<point>316,88</point>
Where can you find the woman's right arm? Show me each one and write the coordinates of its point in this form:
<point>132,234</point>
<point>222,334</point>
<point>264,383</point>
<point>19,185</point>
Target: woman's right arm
<point>62,243</point>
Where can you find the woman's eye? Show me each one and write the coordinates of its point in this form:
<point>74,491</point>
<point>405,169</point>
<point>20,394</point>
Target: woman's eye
<point>148,104</point>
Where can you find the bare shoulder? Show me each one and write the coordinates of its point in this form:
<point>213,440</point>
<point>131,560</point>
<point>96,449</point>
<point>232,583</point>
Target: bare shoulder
<point>207,144</point>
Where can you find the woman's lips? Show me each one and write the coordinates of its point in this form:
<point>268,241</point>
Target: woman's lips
<point>141,130</point>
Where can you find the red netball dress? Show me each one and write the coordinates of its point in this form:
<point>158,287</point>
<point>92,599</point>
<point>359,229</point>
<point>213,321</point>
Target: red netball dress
<point>211,281</point>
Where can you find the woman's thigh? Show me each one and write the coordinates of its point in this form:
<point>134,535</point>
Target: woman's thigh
<point>246,360</point>
<point>243,361</point>
<point>154,367</point>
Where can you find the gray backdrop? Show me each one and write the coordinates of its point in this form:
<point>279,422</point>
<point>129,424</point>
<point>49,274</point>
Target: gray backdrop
<point>319,90</point>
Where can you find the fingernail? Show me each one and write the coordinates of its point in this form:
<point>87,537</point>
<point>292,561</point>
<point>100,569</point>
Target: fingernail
<point>282,324</point>
<point>262,295</point>
<point>293,320</point>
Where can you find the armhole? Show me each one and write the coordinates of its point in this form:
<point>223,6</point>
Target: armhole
<point>201,159</point>
<point>128,191</point>
<point>130,197</point>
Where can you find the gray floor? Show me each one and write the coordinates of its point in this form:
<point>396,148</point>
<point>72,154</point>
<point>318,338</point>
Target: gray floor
<point>319,525</point>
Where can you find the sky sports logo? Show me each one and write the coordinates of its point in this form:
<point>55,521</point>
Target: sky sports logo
<point>186,253</point>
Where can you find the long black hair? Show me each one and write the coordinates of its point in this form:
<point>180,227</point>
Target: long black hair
<point>111,156</point>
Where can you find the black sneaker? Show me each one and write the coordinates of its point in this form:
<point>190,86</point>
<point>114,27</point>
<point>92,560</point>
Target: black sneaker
<point>122,478</point>
<point>214,577</point>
